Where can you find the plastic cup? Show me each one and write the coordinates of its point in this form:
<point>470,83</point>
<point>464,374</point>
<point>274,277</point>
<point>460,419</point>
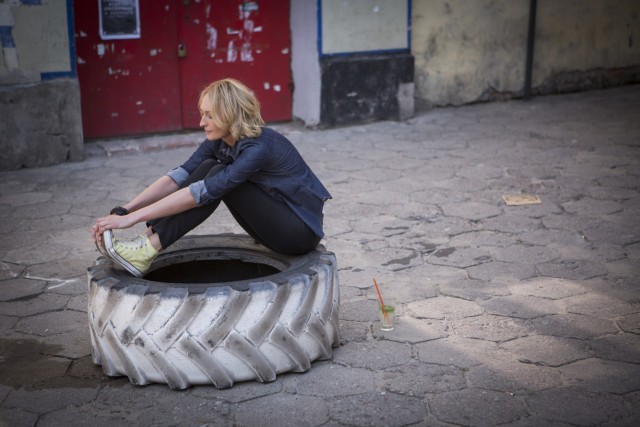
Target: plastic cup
<point>387,317</point>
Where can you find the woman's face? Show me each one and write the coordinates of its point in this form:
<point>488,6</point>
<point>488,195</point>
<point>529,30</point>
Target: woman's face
<point>211,130</point>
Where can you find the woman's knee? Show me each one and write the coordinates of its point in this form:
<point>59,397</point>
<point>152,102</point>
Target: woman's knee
<point>215,168</point>
<point>201,172</point>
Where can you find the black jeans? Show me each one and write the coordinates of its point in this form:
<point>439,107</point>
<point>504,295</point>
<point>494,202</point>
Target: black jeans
<point>269,221</point>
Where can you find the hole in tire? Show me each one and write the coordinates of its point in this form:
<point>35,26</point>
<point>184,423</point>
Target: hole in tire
<point>210,271</point>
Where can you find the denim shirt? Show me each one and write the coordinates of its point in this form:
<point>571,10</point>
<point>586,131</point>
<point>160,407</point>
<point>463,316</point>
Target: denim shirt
<point>269,161</point>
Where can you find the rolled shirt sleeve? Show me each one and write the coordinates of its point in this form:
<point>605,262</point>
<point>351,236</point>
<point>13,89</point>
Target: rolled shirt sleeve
<point>179,175</point>
<point>199,193</point>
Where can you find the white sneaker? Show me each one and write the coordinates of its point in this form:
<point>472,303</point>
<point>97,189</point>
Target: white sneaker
<point>135,255</point>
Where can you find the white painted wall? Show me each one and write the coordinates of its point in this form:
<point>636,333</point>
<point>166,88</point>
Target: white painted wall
<point>304,61</point>
<point>40,35</point>
<point>364,25</point>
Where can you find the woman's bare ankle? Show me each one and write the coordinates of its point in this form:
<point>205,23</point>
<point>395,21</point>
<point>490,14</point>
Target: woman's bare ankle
<point>155,242</point>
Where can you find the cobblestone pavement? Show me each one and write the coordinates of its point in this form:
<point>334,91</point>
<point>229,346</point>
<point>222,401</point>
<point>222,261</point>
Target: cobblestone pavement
<point>507,315</point>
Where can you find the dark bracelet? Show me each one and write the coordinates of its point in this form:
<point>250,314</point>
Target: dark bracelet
<point>119,210</point>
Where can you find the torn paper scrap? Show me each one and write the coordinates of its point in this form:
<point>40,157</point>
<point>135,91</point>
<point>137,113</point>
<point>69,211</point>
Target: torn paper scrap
<point>521,199</point>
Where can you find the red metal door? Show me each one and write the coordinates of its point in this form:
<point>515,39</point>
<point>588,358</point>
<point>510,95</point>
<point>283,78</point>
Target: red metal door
<point>129,86</point>
<point>151,84</point>
<point>246,40</point>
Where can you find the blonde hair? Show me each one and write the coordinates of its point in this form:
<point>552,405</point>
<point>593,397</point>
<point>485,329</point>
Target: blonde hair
<point>234,108</point>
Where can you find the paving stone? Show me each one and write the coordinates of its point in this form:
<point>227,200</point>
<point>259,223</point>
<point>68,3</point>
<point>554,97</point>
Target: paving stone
<point>459,257</point>
<point>523,307</point>
<point>52,323</point>
<point>393,259</point>
<point>572,269</point>
<point>430,275</point>
<point>58,271</point>
<point>592,207</point>
<point>443,307</point>
<point>414,239</point>
<point>360,311</point>
<point>600,305</point>
<point>602,376</point>
<point>41,304</point>
<point>70,345</point>
<point>375,354</point>
<point>26,362</point>
<point>573,326</point>
<point>546,350</point>
<point>621,268</point>
<point>466,185</point>
<point>24,255</point>
<point>17,417</point>
<point>621,347</point>
<point>480,171</point>
<point>48,400</point>
<point>299,410</point>
<point>476,407</point>
<point>575,406</point>
<point>415,212</point>
<point>459,351</point>
<point>447,226</point>
<point>612,233</point>
<point>510,224</point>
<point>378,409</point>
<point>355,331</point>
<point>77,303</point>
<point>410,330</point>
<point>501,271</point>
<point>25,198</point>
<point>20,289</point>
<point>518,253</point>
<point>547,287</point>
<point>492,328</point>
<point>472,211</point>
<point>7,323</point>
<point>473,289</point>
<point>513,378</point>
<point>633,251</point>
<point>630,323</point>
<point>41,210</point>
<point>385,225</point>
<point>329,380</point>
<point>418,379</point>
<point>9,271</point>
<point>554,237</point>
<point>483,239</point>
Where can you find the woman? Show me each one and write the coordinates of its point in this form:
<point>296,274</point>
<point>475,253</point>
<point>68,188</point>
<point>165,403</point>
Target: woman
<point>254,170</point>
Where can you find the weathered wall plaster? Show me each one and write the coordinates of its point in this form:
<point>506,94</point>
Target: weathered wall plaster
<point>40,124</point>
<point>467,51</point>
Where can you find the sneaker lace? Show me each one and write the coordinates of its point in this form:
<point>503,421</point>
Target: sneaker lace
<point>132,244</point>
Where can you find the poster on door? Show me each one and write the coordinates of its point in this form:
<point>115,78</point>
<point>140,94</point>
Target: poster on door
<point>119,19</point>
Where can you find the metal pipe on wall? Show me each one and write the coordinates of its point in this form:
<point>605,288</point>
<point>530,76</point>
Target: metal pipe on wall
<point>530,42</point>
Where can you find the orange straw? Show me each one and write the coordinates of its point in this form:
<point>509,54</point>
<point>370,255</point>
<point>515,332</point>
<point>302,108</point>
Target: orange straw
<point>385,314</point>
<point>379,294</point>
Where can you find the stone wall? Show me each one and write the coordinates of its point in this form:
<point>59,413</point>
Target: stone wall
<point>41,124</point>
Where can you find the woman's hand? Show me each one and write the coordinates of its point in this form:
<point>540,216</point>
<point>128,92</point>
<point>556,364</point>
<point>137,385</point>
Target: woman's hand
<point>111,222</point>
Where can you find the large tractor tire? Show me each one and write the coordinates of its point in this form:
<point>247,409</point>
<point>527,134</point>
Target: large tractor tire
<point>214,310</point>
